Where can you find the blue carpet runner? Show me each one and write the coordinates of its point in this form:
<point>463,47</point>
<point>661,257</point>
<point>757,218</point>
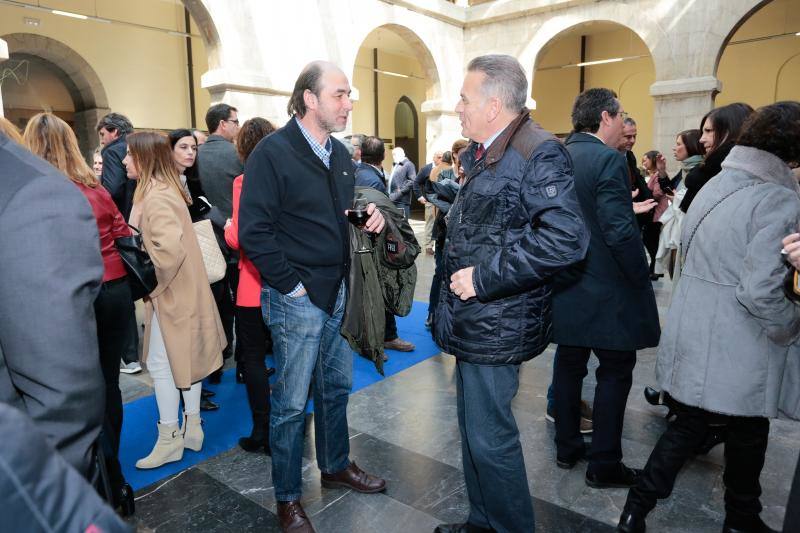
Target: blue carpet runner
<point>224,427</point>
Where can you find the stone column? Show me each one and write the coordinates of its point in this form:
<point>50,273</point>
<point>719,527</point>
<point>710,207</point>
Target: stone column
<point>680,105</point>
<point>3,57</point>
<point>251,93</point>
<point>442,126</point>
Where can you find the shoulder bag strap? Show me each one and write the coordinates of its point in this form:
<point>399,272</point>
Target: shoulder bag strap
<point>702,218</point>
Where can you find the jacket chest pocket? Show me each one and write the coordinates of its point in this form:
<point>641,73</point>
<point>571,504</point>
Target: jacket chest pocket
<point>487,202</point>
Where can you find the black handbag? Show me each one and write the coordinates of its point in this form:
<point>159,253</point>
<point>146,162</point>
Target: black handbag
<point>141,272</point>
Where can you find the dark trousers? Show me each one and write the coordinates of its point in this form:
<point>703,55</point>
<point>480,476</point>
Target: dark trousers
<point>113,310</point>
<point>494,469</point>
<point>130,354</point>
<point>254,340</point>
<point>224,292</point>
<point>745,448</point>
<point>614,378</point>
<point>390,333</point>
<point>436,282</point>
<point>650,235</point>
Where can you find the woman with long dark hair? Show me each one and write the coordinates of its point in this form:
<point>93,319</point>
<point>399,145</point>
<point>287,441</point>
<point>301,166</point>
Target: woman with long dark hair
<point>252,334</point>
<point>183,333</point>
<point>728,351</point>
<point>53,140</point>
<point>719,130</point>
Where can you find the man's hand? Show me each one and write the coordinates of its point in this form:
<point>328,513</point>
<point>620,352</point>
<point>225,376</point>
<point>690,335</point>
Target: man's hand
<point>422,200</point>
<point>644,206</point>
<point>461,283</point>
<point>375,222</point>
<point>791,244</point>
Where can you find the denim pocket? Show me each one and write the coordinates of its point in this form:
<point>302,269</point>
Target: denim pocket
<point>265,305</point>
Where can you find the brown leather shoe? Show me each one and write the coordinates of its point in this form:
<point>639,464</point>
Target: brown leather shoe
<point>399,345</point>
<point>293,519</point>
<point>354,478</point>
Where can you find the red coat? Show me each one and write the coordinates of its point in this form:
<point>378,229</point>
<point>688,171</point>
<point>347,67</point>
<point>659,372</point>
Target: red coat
<point>110,225</point>
<point>248,294</point>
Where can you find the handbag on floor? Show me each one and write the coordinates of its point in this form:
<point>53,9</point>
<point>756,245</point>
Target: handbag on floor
<point>213,259</point>
<point>141,271</point>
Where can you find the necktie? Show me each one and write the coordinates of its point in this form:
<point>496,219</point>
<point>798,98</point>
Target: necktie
<point>479,152</point>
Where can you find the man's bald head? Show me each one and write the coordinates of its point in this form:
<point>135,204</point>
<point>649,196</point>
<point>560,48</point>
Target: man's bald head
<point>310,79</point>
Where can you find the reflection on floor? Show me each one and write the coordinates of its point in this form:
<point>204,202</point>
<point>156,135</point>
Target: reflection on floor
<point>404,429</point>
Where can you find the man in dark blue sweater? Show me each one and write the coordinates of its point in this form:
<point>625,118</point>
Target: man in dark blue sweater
<point>292,225</point>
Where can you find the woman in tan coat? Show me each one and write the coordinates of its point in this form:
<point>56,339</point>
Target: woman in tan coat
<point>184,338</point>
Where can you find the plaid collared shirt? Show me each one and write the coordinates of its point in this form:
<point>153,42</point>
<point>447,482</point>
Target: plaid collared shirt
<point>323,152</point>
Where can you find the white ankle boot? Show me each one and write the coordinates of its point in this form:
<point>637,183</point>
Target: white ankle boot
<point>168,448</point>
<point>192,432</point>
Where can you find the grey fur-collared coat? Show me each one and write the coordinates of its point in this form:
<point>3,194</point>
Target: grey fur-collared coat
<point>731,343</point>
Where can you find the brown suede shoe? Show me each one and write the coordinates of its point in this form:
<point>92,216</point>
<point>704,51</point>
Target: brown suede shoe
<point>399,345</point>
<point>354,478</point>
<point>293,519</point>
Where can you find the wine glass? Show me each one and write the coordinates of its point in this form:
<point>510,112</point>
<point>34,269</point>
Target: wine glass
<point>358,216</point>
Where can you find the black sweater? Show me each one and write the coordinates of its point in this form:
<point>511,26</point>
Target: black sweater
<point>291,215</point>
<point>699,175</point>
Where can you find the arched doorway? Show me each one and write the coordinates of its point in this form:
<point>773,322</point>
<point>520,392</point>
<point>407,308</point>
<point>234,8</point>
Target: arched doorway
<point>406,129</point>
<point>594,54</point>
<point>44,74</point>
<point>764,46</point>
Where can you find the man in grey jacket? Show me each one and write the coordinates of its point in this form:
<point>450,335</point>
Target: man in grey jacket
<point>49,364</point>
<point>218,165</point>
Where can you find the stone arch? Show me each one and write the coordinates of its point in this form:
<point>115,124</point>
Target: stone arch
<point>423,53</point>
<point>208,30</point>
<point>748,9</point>
<point>78,76</point>
<point>609,12</point>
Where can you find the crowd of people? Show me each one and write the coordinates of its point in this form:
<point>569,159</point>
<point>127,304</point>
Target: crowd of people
<point>536,240</point>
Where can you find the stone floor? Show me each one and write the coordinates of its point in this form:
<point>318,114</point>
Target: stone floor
<point>404,429</point>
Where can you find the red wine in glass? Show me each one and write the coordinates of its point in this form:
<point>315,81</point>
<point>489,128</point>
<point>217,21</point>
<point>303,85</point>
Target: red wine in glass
<point>358,217</point>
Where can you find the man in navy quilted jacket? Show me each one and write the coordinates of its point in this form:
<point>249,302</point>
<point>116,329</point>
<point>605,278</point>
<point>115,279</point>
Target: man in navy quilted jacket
<point>515,223</point>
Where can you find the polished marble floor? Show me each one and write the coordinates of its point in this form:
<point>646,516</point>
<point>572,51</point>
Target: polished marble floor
<point>404,429</point>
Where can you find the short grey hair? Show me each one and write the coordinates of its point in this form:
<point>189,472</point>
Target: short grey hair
<point>629,122</point>
<point>505,79</point>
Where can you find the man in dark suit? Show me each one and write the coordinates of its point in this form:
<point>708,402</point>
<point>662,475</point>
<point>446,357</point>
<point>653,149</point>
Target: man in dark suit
<point>49,364</point>
<point>218,164</point>
<point>401,181</point>
<point>605,304</point>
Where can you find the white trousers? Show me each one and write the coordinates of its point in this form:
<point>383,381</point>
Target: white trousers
<point>168,396</point>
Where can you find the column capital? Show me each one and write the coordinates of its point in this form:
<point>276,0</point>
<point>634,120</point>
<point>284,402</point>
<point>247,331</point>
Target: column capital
<point>437,107</point>
<point>686,86</point>
<point>220,80</point>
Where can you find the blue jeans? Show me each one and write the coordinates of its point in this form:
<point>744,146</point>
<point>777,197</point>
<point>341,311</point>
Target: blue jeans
<point>308,348</point>
<point>494,468</point>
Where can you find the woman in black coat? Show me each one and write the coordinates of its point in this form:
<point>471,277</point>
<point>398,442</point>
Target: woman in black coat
<point>720,129</point>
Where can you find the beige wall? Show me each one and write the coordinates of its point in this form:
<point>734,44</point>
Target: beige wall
<point>143,72</point>
<point>390,89</point>
<point>555,90</point>
<point>765,71</point>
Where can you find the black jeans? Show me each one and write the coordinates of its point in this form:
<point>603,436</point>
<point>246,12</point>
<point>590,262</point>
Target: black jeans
<point>130,354</point>
<point>390,333</point>
<point>113,309</point>
<point>254,340</point>
<point>650,235</point>
<point>614,378</point>
<point>224,292</point>
<point>494,468</point>
<point>436,282</point>
<point>745,448</point>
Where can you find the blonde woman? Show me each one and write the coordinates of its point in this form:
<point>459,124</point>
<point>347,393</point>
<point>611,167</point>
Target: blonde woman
<point>52,139</point>
<point>184,338</point>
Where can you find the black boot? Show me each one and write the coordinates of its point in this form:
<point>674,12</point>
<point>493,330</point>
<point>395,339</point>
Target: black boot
<point>631,521</point>
<point>757,526</point>
<point>126,500</point>
<point>259,437</point>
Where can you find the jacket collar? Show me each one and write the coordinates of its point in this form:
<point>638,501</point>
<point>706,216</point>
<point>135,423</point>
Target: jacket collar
<point>299,142</point>
<point>215,137</point>
<point>499,145</point>
<point>763,165</point>
<point>582,137</point>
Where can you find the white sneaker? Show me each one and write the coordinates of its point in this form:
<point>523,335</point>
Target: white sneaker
<point>131,368</point>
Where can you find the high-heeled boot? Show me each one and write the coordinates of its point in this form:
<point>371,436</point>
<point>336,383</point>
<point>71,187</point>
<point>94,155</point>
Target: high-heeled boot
<point>193,432</point>
<point>259,436</point>
<point>168,448</point>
